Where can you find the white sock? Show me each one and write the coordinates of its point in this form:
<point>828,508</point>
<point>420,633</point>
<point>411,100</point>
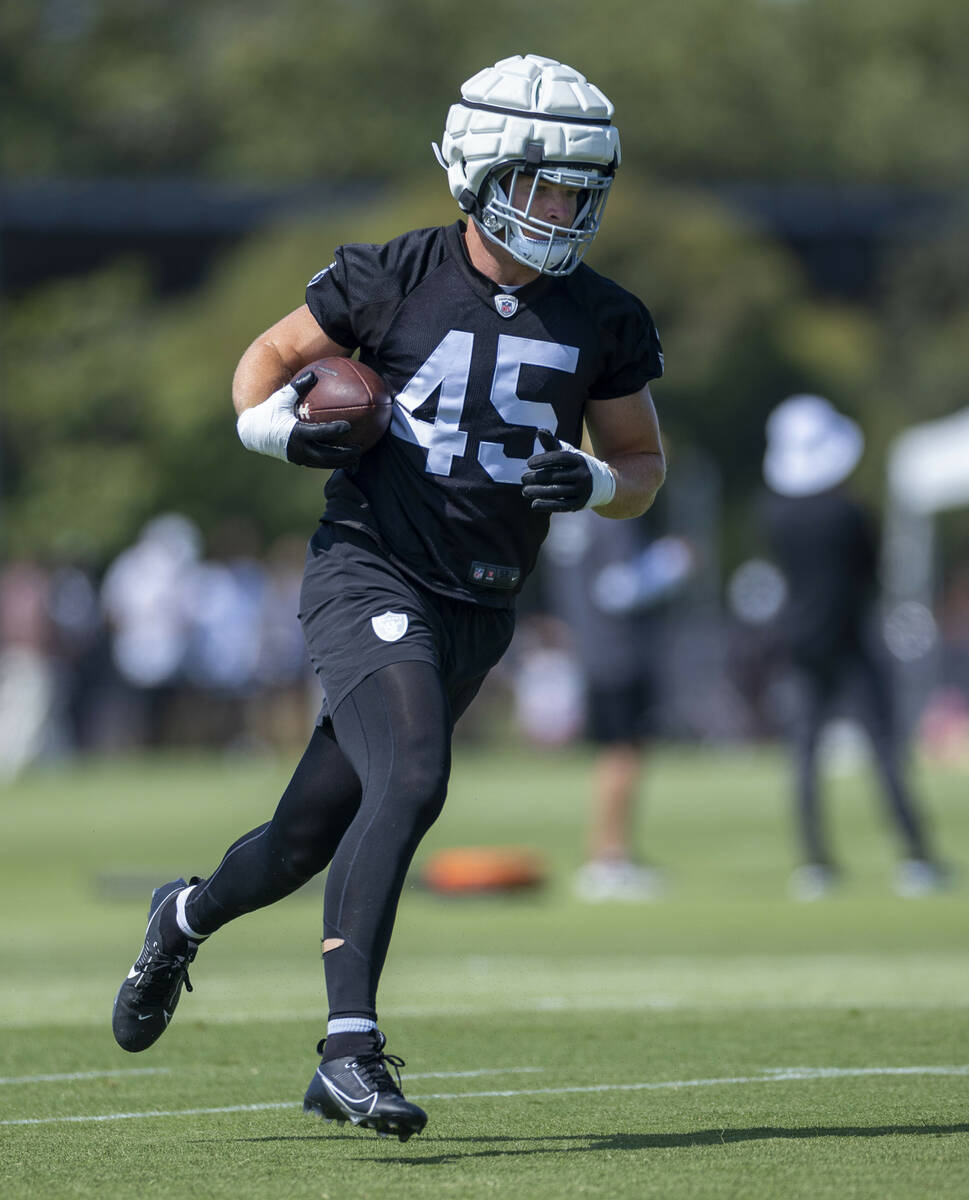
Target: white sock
<point>349,1025</point>
<point>180,918</point>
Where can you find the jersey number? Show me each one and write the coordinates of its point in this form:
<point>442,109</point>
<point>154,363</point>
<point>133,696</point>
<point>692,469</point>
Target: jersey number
<point>448,367</point>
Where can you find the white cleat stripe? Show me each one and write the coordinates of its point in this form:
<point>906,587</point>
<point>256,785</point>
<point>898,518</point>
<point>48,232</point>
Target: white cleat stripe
<point>348,1100</point>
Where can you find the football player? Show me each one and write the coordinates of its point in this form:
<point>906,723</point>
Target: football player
<point>498,342</point>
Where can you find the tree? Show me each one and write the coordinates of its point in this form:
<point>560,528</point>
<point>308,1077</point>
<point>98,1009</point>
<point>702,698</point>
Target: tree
<point>874,90</point>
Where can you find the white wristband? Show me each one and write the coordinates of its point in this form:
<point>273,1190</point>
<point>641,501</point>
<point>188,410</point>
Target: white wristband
<point>603,480</point>
<point>265,428</point>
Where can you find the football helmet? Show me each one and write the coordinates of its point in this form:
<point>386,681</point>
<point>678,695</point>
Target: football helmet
<point>533,117</point>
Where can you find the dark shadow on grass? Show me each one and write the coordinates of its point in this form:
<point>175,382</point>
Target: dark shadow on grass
<point>620,1141</point>
<point>723,1137</point>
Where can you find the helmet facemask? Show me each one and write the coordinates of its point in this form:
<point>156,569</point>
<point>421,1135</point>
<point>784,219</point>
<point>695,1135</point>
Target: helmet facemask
<point>547,248</point>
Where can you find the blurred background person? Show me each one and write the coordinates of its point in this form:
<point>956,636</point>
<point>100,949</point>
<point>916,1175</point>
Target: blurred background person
<point>147,600</point>
<point>827,546</point>
<point>29,726</point>
<point>606,580</point>
<point>86,679</point>
<point>203,643</point>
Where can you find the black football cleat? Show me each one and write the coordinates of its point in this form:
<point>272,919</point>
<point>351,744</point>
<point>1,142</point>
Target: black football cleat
<point>360,1089</point>
<point>147,998</point>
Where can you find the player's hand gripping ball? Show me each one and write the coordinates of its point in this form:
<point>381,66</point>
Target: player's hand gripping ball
<point>343,408</point>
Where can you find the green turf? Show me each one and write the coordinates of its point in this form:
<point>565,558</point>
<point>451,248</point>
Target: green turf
<point>721,1042</point>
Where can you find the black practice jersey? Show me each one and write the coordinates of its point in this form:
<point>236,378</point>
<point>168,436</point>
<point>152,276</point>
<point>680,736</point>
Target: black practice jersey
<point>475,372</point>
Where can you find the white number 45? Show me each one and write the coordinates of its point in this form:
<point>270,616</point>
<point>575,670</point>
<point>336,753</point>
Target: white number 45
<point>449,367</point>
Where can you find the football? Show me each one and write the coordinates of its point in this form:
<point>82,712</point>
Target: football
<point>346,390</point>
<point>466,870</point>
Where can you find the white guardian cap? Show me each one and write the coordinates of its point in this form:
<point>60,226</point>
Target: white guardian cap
<point>535,117</point>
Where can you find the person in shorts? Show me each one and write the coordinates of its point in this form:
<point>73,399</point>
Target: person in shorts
<point>610,583</point>
<point>498,344</point>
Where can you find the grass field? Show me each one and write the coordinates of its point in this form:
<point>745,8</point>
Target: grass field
<point>721,1042</point>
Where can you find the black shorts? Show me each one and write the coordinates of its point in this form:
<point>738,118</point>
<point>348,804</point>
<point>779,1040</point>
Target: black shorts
<point>359,613</point>
<point>623,714</point>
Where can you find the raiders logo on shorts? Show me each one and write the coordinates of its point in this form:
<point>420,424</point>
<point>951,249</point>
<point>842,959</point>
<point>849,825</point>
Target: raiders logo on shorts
<point>390,626</point>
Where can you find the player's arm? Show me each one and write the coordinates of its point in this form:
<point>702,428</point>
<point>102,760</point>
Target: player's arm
<point>625,434</point>
<point>268,384</point>
<point>277,355</point>
<point>622,476</point>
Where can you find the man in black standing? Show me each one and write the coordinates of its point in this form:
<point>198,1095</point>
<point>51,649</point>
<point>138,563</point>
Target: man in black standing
<point>826,544</point>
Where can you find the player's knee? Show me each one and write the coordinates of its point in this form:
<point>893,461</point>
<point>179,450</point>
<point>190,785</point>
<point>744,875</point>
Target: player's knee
<point>420,781</point>
<point>297,859</point>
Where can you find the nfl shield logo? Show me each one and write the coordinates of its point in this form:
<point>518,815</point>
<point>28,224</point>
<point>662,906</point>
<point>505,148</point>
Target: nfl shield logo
<point>390,626</point>
<point>506,305</point>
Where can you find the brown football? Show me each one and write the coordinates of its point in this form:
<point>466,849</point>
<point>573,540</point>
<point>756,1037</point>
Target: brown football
<point>346,390</point>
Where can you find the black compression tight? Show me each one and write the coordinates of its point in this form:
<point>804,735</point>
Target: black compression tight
<point>395,728</point>
<point>392,735</point>
<point>275,859</point>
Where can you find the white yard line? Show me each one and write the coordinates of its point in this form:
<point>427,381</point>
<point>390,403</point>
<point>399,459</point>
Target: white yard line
<point>773,1075</point>
<point>72,1075</point>
<point>777,1075</point>
<point>474,1074</point>
<point>132,1116</point>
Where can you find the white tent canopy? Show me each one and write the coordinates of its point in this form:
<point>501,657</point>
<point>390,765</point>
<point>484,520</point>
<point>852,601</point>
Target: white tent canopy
<point>927,472</point>
<point>928,465</point>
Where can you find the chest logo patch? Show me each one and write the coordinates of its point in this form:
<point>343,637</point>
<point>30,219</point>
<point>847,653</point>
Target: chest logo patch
<point>506,305</point>
<point>390,626</point>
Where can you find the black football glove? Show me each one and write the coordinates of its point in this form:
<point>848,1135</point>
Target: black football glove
<point>318,445</point>
<point>560,480</point>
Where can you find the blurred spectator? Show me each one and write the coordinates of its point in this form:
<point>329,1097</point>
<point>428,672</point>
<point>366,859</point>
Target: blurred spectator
<point>283,660</point>
<point>606,581</point>
<point>149,616</point>
<point>86,677</point>
<point>546,680</point>
<point>170,648</point>
<point>285,695</point>
<point>208,650</point>
<point>755,593</point>
<point>29,727</point>
<point>224,603</point>
<point>827,547</point>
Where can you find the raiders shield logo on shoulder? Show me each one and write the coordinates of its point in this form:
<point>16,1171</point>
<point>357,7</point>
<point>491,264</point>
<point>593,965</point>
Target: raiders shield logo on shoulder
<point>390,626</point>
<point>506,305</point>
